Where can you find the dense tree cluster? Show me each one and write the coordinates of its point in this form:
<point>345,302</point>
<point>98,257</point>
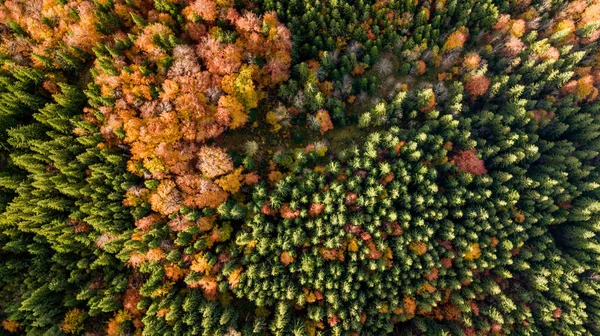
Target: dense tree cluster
<point>299,167</point>
<point>60,230</point>
<point>349,46</point>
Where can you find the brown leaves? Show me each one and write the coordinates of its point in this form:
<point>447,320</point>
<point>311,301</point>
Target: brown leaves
<point>420,67</point>
<point>365,236</point>
<point>474,308</point>
<point>146,43</point>
<point>286,212</point>
<point>457,39</point>
<point>471,61</point>
<point>477,86</point>
<point>430,103</point>
<point>209,287</point>
<point>426,287</point>
<point>332,254</point>
<point>333,320</point>
<point>312,295</point>
<point>583,88</point>
<point>353,229</point>
<point>432,275</point>
<point>418,247</point>
<point>519,217</point>
<point>200,192</point>
<point>206,223</point>
<point>286,258</point>
<point>179,223</point>
<point>410,306</point>
<point>512,47</point>
<point>539,115</point>
<point>220,58</point>
<point>113,326</point>
<point>451,312</point>
<point>166,199</point>
<point>206,9</point>
<point>467,161</point>
<point>131,298</point>
<point>473,252</point>
<point>324,121</point>
<point>275,176</point>
<point>267,210</point>
<point>374,253</point>
<point>395,228</point>
<point>213,161</point>
<point>358,69</point>
<point>446,262</point>
<point>388,178</point>
<point>136,259</point>
<point>399,146</point>
<point>315,209</point>
<point>155,254</point>
<point>557,313</point>
<point>350,198</point>
<point>173,271</point>
<point>564,205</point>
<point>146,222</point>
<point>251,178</point>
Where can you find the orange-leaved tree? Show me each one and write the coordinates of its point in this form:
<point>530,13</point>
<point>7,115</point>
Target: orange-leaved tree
<point>178,84</point>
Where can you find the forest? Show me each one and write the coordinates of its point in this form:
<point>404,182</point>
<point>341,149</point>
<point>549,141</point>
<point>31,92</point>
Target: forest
<point>299,167</point>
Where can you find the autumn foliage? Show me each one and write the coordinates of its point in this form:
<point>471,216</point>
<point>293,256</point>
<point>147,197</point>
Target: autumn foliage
<point>407,167</point>
<point>166,95</point>
<point>165,116</point>
<point>456,39</point>
<point>477,86</point>
<point>51,27</point>
<point>467,161</point>
<point>324,121</point>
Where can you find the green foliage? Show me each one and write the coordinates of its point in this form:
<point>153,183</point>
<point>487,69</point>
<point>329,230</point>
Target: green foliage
<point>458,193</point>
<point>54,232</point>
